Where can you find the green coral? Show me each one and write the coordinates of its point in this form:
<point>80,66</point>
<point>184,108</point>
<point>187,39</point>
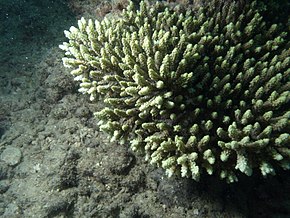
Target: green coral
<point>196,91</point>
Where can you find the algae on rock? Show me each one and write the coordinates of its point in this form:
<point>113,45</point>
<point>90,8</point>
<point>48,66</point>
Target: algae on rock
<point>197,91</point>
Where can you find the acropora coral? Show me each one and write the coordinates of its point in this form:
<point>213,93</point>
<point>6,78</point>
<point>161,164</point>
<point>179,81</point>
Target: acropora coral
<point>195,90</point>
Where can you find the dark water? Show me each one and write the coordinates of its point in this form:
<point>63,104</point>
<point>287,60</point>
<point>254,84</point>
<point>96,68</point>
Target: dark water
<point>25,21</point>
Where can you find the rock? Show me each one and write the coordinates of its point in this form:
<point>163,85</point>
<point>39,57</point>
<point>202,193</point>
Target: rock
<point>4,185</point>
<point>11,156</point>
<point>12,210</point>
<point>4,169</point>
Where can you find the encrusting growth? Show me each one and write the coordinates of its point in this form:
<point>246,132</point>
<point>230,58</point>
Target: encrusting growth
<point>197,92</point>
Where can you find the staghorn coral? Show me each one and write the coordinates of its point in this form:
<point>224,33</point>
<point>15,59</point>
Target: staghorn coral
<point>195,90</point>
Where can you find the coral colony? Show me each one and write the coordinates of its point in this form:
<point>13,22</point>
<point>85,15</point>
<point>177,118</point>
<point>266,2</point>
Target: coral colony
<point>196,91</point>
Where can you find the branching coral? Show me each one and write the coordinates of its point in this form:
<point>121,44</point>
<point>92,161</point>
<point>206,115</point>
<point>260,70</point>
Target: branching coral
<point>196,91</point>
